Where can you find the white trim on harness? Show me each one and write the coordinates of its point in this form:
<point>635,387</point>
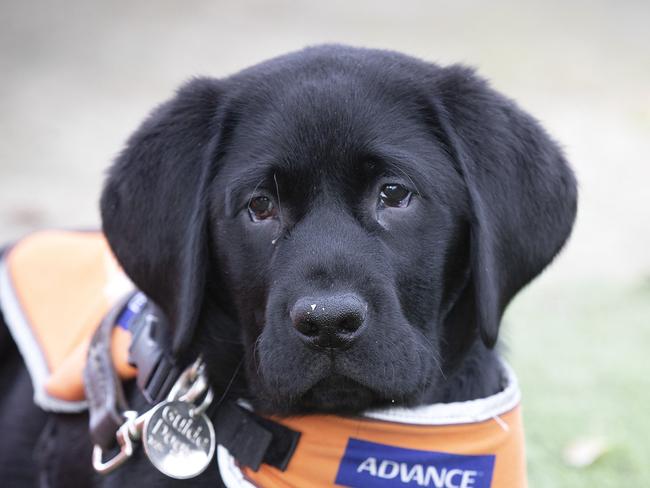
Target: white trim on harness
<point>458,412</point>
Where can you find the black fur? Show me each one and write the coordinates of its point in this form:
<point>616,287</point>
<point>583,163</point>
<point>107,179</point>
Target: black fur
<point>319,132</point>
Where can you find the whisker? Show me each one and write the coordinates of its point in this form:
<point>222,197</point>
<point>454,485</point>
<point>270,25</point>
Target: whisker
<point>277,192</point>
<point>232,380</point>
<point>256,358</point>
<point>250,199</point>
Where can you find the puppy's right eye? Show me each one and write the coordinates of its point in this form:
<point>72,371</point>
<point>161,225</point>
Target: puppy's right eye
<point>261,208</point>
<point>395,195</point>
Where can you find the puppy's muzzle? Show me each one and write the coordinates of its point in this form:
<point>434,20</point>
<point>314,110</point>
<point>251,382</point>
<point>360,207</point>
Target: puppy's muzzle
<point>329,322</point>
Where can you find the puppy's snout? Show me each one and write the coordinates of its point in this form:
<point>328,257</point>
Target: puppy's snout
<point>330,322</point>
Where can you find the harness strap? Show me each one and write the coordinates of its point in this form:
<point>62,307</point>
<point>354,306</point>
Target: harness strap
<point>283,444</point>
<point>252,439</point>
<point>249,441</point>
<point>106,400</point>
<point>156,371</point>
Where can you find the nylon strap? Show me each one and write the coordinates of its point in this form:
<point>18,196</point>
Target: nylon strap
<point>106,399</point>
<point>252,439</point>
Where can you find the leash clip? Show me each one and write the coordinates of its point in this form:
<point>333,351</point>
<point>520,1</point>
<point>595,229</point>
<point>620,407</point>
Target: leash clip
<point>126,435</point>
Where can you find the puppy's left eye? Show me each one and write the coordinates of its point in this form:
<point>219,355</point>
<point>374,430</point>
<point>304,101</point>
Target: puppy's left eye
<point>261,208</point>
<point>395,195</point>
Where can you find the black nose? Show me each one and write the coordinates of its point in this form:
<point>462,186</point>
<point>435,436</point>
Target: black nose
<point>330,322</point>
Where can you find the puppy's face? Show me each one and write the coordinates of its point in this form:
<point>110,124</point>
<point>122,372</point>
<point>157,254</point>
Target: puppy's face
<point>341,229</point>
<point>350,221</point>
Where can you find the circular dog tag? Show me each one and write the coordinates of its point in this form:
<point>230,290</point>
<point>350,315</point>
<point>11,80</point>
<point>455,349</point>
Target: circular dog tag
<point>178,444</point>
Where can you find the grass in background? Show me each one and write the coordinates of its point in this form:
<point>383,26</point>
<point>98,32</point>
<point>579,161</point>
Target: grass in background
<point>583,360</point>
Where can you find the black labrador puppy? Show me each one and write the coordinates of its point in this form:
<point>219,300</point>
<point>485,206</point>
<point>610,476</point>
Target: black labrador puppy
<point>333,230</point>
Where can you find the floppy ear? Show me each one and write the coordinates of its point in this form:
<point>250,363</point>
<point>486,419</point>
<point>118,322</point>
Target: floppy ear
<point>154,204</point>
<point>521,190</point>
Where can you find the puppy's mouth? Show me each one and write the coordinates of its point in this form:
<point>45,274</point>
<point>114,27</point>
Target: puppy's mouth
<point>337,394</point>
<point>384,366</point>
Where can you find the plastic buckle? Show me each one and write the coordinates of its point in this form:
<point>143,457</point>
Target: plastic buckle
<point>156,372</point>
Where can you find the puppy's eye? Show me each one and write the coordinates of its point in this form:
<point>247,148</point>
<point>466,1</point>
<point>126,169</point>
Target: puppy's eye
<point>261,208</point>
<point>395,195</point>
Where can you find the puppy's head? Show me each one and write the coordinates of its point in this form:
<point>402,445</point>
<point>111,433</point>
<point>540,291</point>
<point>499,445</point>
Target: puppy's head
<point>350,221</point>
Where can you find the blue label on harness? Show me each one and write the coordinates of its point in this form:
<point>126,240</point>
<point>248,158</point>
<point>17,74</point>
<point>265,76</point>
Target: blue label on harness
<point>132,308</point>
<point>367,464</point>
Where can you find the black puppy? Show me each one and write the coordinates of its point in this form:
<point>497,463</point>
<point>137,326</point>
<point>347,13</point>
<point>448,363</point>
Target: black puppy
<point>338,228</point>
<point>360,218</point>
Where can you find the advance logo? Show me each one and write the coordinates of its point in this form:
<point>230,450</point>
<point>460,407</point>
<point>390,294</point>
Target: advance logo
<point>367,464</point>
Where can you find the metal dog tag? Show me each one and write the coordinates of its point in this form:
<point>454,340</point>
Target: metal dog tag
<point>178,440</point>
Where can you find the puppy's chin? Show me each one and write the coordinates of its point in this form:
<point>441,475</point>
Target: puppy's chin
<point>334,394</point>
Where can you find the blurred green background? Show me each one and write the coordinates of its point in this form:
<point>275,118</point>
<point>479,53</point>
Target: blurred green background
<point>77,77</point>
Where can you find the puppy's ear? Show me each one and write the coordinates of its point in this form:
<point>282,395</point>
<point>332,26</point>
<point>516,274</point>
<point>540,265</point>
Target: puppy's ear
<point>521,190</point>
<point>154,204</point>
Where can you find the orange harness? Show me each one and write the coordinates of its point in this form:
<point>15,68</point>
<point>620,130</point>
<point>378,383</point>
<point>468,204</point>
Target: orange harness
<point>476,444</point>
<point>56,286</point>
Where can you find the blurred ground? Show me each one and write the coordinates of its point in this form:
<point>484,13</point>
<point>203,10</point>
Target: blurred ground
<point>77,77</point>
